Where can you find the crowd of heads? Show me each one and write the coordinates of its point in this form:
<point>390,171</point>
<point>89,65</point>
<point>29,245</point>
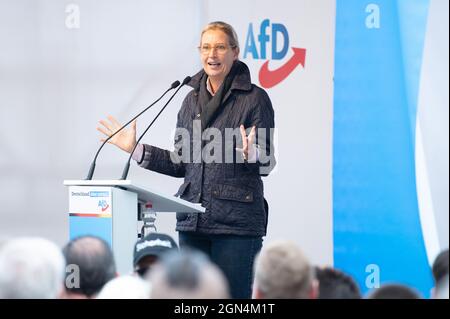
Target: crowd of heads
<point>35,268</point>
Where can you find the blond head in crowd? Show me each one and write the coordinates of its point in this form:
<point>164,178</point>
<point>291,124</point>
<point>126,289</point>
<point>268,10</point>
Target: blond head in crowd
<point>283,272</point>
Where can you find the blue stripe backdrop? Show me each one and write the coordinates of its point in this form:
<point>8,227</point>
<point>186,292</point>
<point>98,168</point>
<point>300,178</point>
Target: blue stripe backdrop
<point>375,210</point>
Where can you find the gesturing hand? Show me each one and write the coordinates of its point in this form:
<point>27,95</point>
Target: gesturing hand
<point>125,139</point>
<point>248,149</point>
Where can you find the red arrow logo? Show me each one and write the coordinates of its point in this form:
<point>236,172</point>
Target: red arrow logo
<point>269,78</point>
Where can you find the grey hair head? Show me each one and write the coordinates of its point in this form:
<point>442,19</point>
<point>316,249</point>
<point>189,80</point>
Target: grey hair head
<point>183,270</point>
<point>31,268</point>
<point>187,274</point>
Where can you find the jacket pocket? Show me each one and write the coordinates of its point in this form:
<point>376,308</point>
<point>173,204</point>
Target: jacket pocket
<point>233,193</point>
<point>232,205</point>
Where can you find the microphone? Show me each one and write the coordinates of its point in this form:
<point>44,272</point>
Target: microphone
<point>127,165</point>
<point>92,168</point>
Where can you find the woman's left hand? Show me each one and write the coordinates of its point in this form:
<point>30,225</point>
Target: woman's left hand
<point>248,149</point>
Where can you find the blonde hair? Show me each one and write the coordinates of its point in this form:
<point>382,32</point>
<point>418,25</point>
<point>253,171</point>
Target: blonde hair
<point>282,271</point>
<point>225,28</point>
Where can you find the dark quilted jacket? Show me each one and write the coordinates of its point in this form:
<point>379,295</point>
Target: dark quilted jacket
<point>232,193</point>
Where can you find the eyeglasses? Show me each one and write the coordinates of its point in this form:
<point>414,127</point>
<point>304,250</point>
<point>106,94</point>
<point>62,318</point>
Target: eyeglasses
<point>219,48</point>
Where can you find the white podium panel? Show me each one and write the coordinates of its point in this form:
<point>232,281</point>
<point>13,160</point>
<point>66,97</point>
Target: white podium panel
<point>109,209</point>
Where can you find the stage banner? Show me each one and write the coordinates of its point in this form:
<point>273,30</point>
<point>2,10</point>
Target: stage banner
<point>378,234</point>
<point>289,48</point>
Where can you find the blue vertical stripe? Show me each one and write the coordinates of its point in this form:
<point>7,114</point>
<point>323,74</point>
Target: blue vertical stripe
<point>376,216</point>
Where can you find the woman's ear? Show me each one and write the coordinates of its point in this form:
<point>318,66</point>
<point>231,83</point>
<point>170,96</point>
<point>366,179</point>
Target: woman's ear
<point>236,54</point>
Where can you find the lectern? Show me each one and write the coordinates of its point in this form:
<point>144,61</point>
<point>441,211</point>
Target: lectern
<point>109,209</point>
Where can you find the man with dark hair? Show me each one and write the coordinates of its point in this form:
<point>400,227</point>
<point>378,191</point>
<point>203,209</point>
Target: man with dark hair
<point>440,266</point>
<point>441,291</point>
<point>93,262</point>
<point>440,276</point>
<point>394,291</point>
<point>334,284</point>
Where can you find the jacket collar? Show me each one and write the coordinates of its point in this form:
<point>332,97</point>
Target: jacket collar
<point>242,80</point>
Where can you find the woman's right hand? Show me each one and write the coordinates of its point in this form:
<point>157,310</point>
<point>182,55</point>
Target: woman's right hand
<point>125,139</point>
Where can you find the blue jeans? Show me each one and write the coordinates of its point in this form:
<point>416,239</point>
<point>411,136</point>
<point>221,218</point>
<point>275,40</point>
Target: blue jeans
<point>233,254</point>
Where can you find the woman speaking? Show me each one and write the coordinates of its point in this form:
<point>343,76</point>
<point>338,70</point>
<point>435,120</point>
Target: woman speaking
<point>225,179</point>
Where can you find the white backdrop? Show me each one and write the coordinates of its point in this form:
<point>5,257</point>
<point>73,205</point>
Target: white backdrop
<point>299,191</point>
<point>57,81</point>
<point>432,144</point>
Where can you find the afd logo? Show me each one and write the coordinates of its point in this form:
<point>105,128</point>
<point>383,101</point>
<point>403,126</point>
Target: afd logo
<point>103,204</point>
<point>270,78</point>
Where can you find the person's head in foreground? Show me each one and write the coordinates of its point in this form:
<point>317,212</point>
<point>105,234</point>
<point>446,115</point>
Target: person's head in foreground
<point>334,284</point>
<point>283,272</point>
<point>126,287</point>
<point>440,275</point>
<point>187,274</point>
<point>149,249</point>
<point>31,268</point>
<point>393,291</point>
<point>441,290</point>
<point>92,263</point>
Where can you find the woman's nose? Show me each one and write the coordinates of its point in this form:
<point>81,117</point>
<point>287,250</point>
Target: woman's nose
<point>212,52</point>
